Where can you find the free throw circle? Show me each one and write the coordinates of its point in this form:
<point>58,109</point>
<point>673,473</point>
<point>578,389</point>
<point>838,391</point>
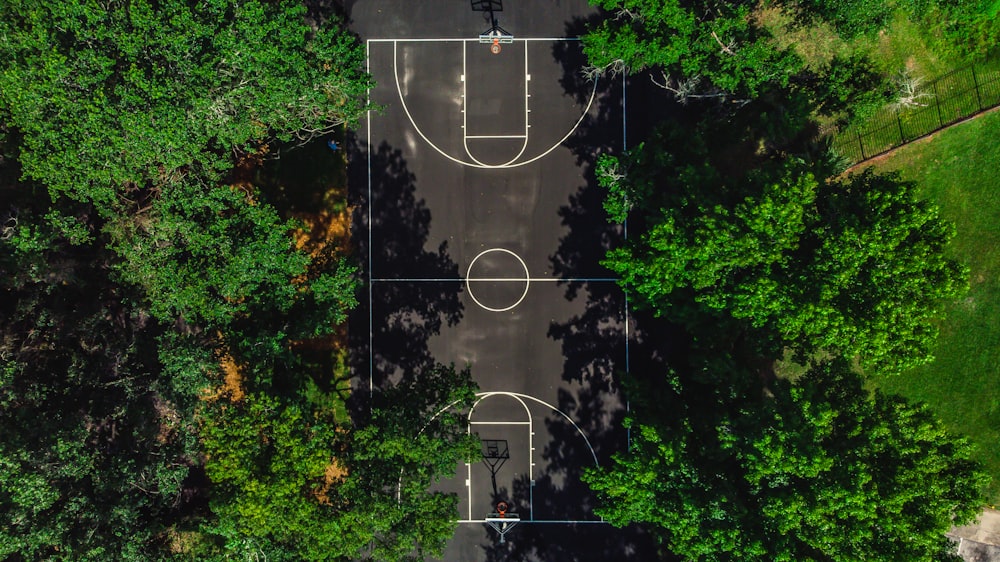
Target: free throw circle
<point>488,263</point>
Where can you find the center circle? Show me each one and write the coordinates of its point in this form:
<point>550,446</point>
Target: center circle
<point>487,271</point>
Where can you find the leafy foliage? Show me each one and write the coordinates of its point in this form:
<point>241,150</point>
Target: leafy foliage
<point>113,96</point>
<point>718,42</point>
<point>291,484</point>
<point>817,470</point>
<point>854,266</point>
<point>212,255</point>
<point>94,455</point>
<point>850,17</point>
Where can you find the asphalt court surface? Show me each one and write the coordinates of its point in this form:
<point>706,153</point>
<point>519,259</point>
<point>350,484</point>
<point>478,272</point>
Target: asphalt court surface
<point>486,236</point>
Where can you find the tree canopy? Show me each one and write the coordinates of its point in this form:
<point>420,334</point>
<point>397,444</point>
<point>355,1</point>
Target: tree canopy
<point>294,484</point>
<point>718,42</point>
<point>819,469</point>
<point>153,397</point>
<point>115,96</point>
<point>747,237</point>
<point>854,265</point>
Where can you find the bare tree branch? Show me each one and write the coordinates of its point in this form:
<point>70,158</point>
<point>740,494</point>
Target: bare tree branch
<point>728,49</point>
<point>613,68</point>
<point>613,173</point>
<point>910,93</point>
<point>627,13</point>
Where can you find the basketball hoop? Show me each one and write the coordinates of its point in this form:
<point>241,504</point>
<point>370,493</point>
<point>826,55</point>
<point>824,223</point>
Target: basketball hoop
<point>502,520</point>
<point>495,47</point>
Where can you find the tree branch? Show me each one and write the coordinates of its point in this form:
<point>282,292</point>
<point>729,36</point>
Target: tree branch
<point>728,49</point>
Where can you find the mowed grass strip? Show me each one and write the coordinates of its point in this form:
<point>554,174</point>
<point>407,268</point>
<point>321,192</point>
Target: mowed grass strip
<point>959,170</point>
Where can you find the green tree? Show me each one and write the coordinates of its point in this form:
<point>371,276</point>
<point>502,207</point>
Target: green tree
<point>719,43</point>
<point>850,17</point>
<point>719,50</point>
<point>291,484</point>
<point>111,97</point>
<point>213,256</point>
<point>816,470</point>
<point>93,454</point>
<point>853,266</point>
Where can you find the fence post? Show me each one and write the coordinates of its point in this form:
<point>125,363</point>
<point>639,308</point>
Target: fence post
<point>899,121</point>
<point>861,145</point>
<point>975,81</point>
<point>937,104</point>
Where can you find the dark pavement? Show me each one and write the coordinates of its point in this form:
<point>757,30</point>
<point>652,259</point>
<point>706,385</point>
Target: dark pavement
<point>475,182</point>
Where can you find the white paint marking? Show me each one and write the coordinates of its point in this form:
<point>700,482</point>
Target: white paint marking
<point>464,280</point>
<point>464,39</point>
<point>496,136</point>
<point>465,137</point>
<point>409,116</point>
<point>371,274</point>
<point>526,279</point>
<point>552,521</point>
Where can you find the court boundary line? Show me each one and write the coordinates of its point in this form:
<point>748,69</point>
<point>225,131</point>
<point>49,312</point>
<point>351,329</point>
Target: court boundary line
<point>373,280</point>
<point>462,39</point>
<point>371,228</point>
<point>494,279</point>
<point>543,521</point>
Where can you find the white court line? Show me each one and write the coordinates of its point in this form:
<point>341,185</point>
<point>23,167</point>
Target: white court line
<point>465,112</point>
<point>559,521</point>
<point>497,279</point>
<point>371,273</point>
<point>465,39</point>
<point>526,279</point>
<point>496,136</point>
<point>531,446</point>
<point>500,422</point>
<point>409,116</point>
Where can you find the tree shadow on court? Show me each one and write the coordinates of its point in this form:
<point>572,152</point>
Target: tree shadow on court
<point>390,337</point>
<point>596,349</point>
<point>574,80</point>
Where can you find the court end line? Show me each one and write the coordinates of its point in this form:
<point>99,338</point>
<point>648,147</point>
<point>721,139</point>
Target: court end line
<point>495,279</point>
<point>545,521</point>
<point>463,39</point>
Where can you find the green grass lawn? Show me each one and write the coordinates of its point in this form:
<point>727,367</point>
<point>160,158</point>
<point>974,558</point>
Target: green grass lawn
<point>959,169</point>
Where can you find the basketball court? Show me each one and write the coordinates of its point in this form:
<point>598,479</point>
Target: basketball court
<point>485,235</point>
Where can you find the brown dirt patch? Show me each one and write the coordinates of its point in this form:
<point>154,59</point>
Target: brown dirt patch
<point>232,381</point>
<point>334,474</point>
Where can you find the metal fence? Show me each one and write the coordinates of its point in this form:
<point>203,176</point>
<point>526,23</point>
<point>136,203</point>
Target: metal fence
<point>951,98</point>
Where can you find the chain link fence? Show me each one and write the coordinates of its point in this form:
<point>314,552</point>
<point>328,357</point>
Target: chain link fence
<point>933,105</point>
